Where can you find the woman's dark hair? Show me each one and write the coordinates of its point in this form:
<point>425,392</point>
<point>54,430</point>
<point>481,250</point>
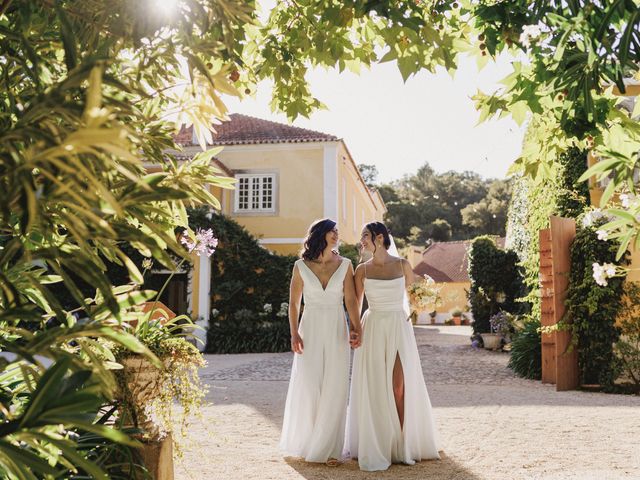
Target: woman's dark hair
<point>315,241</point>
<point>379,228</point>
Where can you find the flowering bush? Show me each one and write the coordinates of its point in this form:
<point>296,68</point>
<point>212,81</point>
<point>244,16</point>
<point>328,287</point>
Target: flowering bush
<point>594,300</point>
<point>501,323</point>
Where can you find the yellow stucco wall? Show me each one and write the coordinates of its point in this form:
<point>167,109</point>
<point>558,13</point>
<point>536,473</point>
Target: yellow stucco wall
<point>356,206</point>
<point>299,185</point>
<point>453,295</point>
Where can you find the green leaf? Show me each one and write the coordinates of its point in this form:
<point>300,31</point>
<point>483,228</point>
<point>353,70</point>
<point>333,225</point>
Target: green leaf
<point>27,459</point>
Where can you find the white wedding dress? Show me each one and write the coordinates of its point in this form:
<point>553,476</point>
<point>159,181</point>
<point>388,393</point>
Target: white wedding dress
<point>315,410</point>
<point>374,434</point>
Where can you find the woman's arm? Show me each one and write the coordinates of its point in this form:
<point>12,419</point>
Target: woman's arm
<point>352,303</point>
<point>358,280</point>
<point>295,299</point>
<point>409,277</point>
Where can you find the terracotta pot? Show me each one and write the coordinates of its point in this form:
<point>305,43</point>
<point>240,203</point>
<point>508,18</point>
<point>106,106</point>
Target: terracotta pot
<point>457,320</point>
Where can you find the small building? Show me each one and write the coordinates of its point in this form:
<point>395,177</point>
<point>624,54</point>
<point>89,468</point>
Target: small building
<point>448,264</point>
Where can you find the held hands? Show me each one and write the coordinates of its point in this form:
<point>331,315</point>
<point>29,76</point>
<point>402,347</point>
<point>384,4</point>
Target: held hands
<point>297,346</point>
<point>355,337</point>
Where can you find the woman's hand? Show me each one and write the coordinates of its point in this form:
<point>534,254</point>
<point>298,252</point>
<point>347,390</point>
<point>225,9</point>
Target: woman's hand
<point>355,337</point>
<point>296,343</point>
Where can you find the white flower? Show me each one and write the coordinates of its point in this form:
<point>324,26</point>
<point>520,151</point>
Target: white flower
<point>602,272</point>
<point>215,312</point>
<point>602,234</point>
<point>267,308</point>
<point>284,310</point>
<point>610,269</point>
<point>147,263</point>
<point>599,274</point>
<point>529,33</point>
<point>626,199</point>
<point>593,216</point>
<point>501,297</point>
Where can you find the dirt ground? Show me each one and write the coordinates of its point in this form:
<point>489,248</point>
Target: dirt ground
<point>493,425</point>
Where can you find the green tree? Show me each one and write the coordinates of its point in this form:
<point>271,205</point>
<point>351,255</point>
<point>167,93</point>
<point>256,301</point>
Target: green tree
<point>421,199</point>
<point>369,174</point>
<point>489,215</point>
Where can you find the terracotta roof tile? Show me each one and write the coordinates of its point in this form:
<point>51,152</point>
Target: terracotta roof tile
<point>447,261</point>
<point>243,129</point>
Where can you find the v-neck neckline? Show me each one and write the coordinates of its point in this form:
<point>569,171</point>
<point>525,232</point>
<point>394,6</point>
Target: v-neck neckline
<point>324,289</point>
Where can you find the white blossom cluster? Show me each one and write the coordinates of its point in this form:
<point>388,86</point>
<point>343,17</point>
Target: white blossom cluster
<point>284,310</point>
<point>601,273</point>
<point>529,33</point>
<point>595,216</point>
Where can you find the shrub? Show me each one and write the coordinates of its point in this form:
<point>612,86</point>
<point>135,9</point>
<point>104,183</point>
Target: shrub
<point>351,252</point>
<point>496,282</point>
<point>244,278</point>
<point>526,351</point>
<point>594,308</point>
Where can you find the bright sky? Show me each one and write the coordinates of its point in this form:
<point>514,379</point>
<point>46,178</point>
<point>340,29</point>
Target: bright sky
<point>398,126</point>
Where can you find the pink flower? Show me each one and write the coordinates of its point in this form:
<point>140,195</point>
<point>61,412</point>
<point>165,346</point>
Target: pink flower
<point>204,244</point>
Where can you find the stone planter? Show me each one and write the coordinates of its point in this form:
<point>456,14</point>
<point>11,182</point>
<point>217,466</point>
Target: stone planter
<point>143,381</point>
<point>491,341</point>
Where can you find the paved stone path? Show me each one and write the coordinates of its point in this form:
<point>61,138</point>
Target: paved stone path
<point>493,424</point>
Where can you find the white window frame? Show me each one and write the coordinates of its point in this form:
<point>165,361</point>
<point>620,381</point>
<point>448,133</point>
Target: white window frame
<point>251,177</point>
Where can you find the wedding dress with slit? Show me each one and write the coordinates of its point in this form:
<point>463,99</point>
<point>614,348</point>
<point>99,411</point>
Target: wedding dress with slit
<point>374,434</point>
<point>315,410</point>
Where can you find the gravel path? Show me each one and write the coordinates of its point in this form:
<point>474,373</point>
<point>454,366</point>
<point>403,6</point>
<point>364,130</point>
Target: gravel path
<point>493,425</point>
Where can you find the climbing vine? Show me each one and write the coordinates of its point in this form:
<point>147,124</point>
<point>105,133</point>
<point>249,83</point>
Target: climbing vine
<point>593,308</point>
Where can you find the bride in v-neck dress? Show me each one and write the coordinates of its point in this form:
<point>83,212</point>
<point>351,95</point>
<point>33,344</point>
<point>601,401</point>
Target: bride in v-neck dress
<point>315,409</point>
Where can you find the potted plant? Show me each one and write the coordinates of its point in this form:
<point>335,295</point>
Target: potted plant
<point>456,315</point>
<point>148,391</point>
<point>432,317</point>
<point>500,327</point>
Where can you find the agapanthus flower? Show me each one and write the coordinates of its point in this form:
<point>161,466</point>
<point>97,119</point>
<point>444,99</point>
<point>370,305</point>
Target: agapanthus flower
<point>205,242</point>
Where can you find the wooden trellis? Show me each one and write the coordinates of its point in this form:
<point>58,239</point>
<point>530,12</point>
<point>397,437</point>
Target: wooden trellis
<point>559,366</point>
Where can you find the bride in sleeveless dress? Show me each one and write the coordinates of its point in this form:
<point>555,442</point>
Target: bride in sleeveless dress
<point>390,419</point>
<point>316,405</point>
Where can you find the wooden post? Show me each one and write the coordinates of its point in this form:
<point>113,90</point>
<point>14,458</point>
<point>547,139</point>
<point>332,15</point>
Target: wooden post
<point>563,231</point>
<point>547,308</point>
